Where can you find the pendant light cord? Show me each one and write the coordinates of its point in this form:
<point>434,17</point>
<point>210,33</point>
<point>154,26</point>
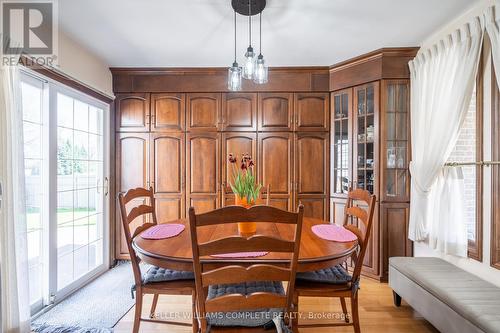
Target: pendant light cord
<point>250,22</point>
<point>235,36</point>
<point>260,33</point>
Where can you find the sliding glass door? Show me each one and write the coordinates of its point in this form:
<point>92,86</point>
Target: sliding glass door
<point>66,188</point>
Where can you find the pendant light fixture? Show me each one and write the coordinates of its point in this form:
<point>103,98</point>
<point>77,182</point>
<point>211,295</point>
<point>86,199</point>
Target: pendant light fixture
<point>234,72</point>
<point>249,64</point>
<point>261,71</point>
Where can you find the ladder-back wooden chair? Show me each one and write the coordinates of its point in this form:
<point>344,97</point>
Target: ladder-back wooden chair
<point>336,281</point>
<point>155,281</point>
<point>239,288</point>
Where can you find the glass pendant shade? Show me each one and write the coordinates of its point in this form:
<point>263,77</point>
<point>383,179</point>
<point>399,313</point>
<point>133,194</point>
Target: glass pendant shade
<point>234,77</point>
<point>249,64</point>
<point>261,71</point>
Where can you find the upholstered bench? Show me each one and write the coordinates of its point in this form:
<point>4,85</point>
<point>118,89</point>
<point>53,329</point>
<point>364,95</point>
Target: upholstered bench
<point>450,298</point>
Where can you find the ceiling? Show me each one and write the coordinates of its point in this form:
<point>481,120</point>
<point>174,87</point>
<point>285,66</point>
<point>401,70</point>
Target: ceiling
<point>194,33</point>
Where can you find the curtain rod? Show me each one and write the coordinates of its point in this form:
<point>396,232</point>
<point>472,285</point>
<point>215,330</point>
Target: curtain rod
<point>480,163</point>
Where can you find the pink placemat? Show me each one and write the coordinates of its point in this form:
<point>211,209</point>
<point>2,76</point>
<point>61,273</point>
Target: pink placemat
<point>162,231</point>
<point>240,255</point>
<point>333,232</point>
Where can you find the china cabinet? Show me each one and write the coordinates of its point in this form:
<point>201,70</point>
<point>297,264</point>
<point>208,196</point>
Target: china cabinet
<point>370,147</point>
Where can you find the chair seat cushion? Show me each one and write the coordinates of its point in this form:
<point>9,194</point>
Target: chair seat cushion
<point>157,274</point>
<point>332,275</point>
<point>244,318</point>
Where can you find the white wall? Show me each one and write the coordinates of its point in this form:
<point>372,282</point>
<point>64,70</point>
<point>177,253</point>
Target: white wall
<point>482,269</point>
<point>81,64</point>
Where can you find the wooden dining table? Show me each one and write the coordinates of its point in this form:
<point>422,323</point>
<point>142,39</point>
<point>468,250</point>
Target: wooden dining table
<point>175,252</point>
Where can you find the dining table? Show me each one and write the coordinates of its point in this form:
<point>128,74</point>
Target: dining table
<point>176,253</point>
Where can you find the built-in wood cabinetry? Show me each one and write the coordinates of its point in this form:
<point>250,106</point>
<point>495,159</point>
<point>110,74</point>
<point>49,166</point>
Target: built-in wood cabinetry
<point>178,142</point>
<point>370,148</point>
<point>314,133</point>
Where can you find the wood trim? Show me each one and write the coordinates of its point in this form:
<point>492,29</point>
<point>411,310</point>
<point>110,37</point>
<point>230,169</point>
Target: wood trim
<point>475,248</point>
<point>386,63</point>
<point>186,80</point>
<point>55,75</point>
<point>495,177</point>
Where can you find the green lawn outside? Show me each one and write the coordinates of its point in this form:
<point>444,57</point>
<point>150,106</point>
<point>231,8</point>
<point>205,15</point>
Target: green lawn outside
<point>64,218</point>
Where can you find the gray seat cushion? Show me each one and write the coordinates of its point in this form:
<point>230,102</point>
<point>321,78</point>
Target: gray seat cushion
<point>470,296</point>
<point>244,318</point>
<point>332,275</point>
<point>157,274</point>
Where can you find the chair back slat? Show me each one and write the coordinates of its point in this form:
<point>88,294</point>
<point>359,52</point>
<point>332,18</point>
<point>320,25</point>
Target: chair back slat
<point>233,214</point>
<point>355,199</point>
<point>236,273</point>
<point>242,244</point>
<point>136,193</point>
<point>138,211</point>
<point>260,300</point>
<point>128,218</point>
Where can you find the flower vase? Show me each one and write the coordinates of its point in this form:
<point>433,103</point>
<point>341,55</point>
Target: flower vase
<point>245,228</point>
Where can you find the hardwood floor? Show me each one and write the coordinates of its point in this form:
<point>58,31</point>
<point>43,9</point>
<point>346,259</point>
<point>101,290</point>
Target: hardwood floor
<point>377,313</point>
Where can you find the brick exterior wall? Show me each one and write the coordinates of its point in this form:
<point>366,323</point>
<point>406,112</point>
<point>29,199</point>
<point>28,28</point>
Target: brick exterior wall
<point>465,151</point>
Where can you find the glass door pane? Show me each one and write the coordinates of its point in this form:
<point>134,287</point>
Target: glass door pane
<point>396,140</point>
<point>365,137</point>
<point>33,125</point>
<point>340,142</point>
<point>80,163</point>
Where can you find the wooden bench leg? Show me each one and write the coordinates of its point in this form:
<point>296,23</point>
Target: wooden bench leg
<point>397,299</point>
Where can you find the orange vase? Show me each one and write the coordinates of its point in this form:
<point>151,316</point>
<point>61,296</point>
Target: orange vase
<point>245,228</point>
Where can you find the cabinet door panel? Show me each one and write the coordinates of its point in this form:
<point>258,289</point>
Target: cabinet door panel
<point>341,143</point>
<point>237,144</point>
<point>203,170</point>
<point>371,265</point>
<point>239,112</point>
<point>167,163</point>
<point>169,208</point>
<point>394,221</point>
<point>311,112</point>
<point>131,171</point>
<point>315,207</point>
<point>311,163</point>
<point>337,210</point>
<point>203,111</point>
<point>275,166</point>
<point>204,204</point>
<point>275,112</point>
<point>167,112</point>
<point>132,112</point>
<point>167,175</point>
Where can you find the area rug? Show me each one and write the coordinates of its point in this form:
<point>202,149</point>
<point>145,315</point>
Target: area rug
<point>95,308</point>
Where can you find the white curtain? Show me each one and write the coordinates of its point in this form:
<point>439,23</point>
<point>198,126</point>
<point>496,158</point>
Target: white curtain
<point>447,204</point>
<point>493,29</point>
<point>442,81</point>
<point>14,287</point>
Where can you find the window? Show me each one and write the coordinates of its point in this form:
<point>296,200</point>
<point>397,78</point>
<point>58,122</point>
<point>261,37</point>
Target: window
<point>469,148</point>
<point>65,174</point>
<point>34,168</point>
<point>495,177</point>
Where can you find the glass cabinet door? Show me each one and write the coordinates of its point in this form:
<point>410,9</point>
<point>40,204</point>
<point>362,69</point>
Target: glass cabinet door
<point>365,117</point>
<point>395,146</point>
<point>340,142</point>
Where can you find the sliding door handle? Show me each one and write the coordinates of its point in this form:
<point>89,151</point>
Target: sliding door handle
<point>106,186</point>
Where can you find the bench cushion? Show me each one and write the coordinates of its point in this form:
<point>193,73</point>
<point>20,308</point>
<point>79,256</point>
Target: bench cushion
<point>475,299</point>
